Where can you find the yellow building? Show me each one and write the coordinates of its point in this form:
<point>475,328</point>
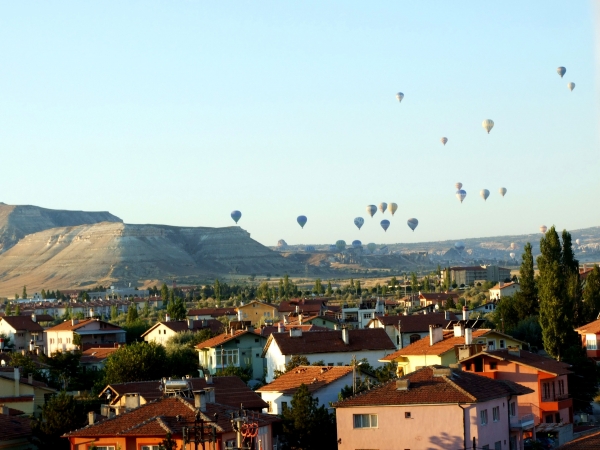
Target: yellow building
<point>257,312</point>
<point>24,394</point>
<point>445,347</point>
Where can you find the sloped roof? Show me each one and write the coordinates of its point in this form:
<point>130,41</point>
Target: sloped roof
<point>14,427</point>
<point>23,323</point>
<point>95,355</point>
<point>416,322</point>
<point>223,338</point>
<point>164,415</point>
<point>426,388</point>
<point>24,380</point>
<point>589,328</point>
<point>213,312</point>
<point>588,442</point>
<point>67,325</point>
<point>314,377</point>
<point>543,363</point>
<point>330,341</point>
<point>422,347</point>
<point>179,326</point>
<point>270,329</point>
<point>304,305</point>
<point>439,296</point>
<point>231,391</point>
<point>504,285</point>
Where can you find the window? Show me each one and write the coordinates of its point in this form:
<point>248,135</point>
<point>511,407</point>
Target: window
<point>502,343</point>
<point>283,406</point>
<point>52,340</point>
<point>414,338</point>
<point>60,340</point>
<point>407,415</point>
<point>365,420</point>
<point>256,340</point>
<point>546,391</point>
<point>513,409</point>
<point>483,417</point>
<point>269,406</point>
<point>227,357</point>
<point>493,366</point>
<point>468,366</point>
<point>591,344</point>
<point>105,447</point>
<point>496,414</point>
<point>485,447</point>
<point>330,364</point>
<point>561,387</point>
<point>149,447</point>
<point>498,445</point>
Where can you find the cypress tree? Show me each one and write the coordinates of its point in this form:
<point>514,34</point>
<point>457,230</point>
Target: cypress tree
<point>527,297</point>
<point>591,295</point>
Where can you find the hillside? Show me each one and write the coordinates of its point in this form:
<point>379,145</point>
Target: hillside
<point>108,252</point>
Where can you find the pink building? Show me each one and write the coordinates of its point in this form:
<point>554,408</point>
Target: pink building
<point>548,407</point>
<point>432,408</point>
<point>590,335</point>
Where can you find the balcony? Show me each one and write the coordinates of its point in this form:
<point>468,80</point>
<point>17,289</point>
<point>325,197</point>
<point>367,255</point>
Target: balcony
<point>524,422</point>
<point>555,402</point>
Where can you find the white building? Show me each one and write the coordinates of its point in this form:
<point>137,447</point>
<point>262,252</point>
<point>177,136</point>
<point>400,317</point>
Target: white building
<point>504,290</point>
<point>61,338</point>
<point>333,348</point>
<point>22,331</point>
<point>361,315</point>
<point>162,331</point>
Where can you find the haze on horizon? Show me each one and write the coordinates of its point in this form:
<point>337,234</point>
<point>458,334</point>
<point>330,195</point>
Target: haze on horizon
<point>178,113</point>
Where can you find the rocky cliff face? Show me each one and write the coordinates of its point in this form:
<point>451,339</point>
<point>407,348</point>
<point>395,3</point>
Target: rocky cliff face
<point>17,221</point>
<point>68,257</point>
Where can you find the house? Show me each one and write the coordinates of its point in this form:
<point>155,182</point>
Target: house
<point>267,330</point>
<point>333,347</point>
<point>470,274</point>
<point>160,332</point>
<point>445,347</point>
<point>94,358</point>
<point>485,308</point>
<point>237,348</point>
<point>306,306</point>
<point>404,330</point>
<point>432,408</point>
<point>229,390</point>
<point>590,337</point>
<point>24,394</point>
<point>504,290</point>
<point>359,316</point>
<point>436,298</point>
<point>16,431</point>
<point>257,312</point>
<point>323,382</point>
<point>61,338</point>
<point>212,313</point>
<point>23,331</point>
<point>145,426</point>
<point>325,321</point>
<point>549,402</point>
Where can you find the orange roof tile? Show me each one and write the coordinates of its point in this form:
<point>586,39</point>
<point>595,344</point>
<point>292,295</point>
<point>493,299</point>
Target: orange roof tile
<point>222,338</point>
<point>525,358</point>
<point>589,328</point>
<point>314,377</point>
<point>68,325</point>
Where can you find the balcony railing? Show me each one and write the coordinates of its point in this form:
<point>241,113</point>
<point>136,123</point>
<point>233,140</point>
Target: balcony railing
<point>525,421</point>
<point>554,398</point>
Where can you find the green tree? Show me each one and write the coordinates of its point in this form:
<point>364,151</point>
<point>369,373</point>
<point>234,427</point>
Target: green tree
<point>164,292</point>
<point>8,310</point>
<point>43,294</point>
<point>114,313</point>
<point>132,314</point>
<point>450,304</point>
<point>24,296</point>
<point>146,309</point>
<point>426,285</point>
<point>358,288</point>
<point>556,311</point>
<point>287,289</point>
<point>176,309</point>
<point>27,366</point>
<point>329,291</point>
<point>182,360</point>
<point>18,309</point>
<point>414,282</point>
<point>591,295</point>
<point>217,289</point>
<point>168,443</point>
<point>139,361</point>
<point>59,415</point>
<point>318,289</point>
<point>583,382</point>
<point>527,297</point>
<point>64,368</point>
<point>307,426</point>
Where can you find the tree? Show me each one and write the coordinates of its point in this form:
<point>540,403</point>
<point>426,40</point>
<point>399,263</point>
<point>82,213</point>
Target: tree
<point>182,360</point>
<point>329,291</point>
<point>527,297</point>
<point>450,304</point>
<point>59,415</point>
<point>27,366</point>
<point>8,310</point>
<point>168,443</point>
<point>591,295</point>
<point>139,361</point>
<point>164,292</point>
<point>132,314</point>
<point>307,426</point>
<point>414,282</point>
<point>358,288</point>
<point>286,287</point>
<point>583,382</point>
<point>18,309</point>
<point>318,289</point>
<point>176,309</point>
<point>24,296</point>
<point>556,311</point>
<point>114,313</point>
<point>217,289</point>
<point>43,294</point>
<point>146,309</point>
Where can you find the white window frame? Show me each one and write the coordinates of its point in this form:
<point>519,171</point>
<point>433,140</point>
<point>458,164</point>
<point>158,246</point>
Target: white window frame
<point>365,421</point>
<point>513,409</point>
<point>231,356</point>
<point>591,344</point>
<point>496,414</point>
<point>483,417</point>
<point>150,447</point>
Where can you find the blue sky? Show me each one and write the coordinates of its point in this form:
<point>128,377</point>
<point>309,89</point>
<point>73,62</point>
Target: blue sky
<point>179,112</point>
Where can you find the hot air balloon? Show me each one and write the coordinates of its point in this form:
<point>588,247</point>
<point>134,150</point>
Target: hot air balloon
<point>302,220</point>
<point>385,224</point>
<point>359,222</point>
<point>281,243</point>
<point>561,71</point>
<point>512,255</point>
<point>458,186</point>
<point>399,96</point>
<point>487,125</point>
<point>371,247</point>
<point>459,246</point>
<point>502,191</point>
<point>513,246</point>
<point>578,241</point>
<point>340,245</point>
<point>543,229</point>
<point>412,223</point>
<point>571,86</point>
<point>236,215</point>
<point>393,208</point>
<point>461,194</point>
<point>444,140</point>
<point>383,207</point>
<point>371,210</point>
<point>356,244</point>
<point>484,194</point>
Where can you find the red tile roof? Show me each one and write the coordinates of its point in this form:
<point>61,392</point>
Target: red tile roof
<point>314,377</point>
<point>222,338</point>
<point>270,329</point>
<point>589,328</point>
<point>525,358</point>
<point>14,428</point>
<point>231,391</point>
<point>331,342</point>
<point>416,322</point>
<point>164,415</point>
<point>179,326</point>
<point>96,355</point>
<point>426,387</point>
<point>23,323</point>
<point>67,325</point>
<point>213,312</point>
<point>304,305</point>
<point>591,441</point>
<point>504,285</point>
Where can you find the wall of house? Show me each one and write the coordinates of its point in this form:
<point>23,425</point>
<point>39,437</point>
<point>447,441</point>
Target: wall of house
<point>494,431</point>
<point>160,335</point>
<point>250,355</point>
<point>258,312</point>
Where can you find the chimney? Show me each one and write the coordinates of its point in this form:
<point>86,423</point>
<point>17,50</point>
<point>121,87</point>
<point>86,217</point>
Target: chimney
<point>459,330</point>
<point>30,378</point>
<point>132,400</point>
<point>200,400</point>
<point>300,318</point>
<point>346,336</point>
<point>280,328</point>
<point>104,410</point>
<point>514,351</point>
<point>468,336</point>
<point>74,322</point>
<point>1,343</point>
<point>442,372</point>
<point>31,346</point>
<point>191,324</point>
<point>208,378</point>
<point>295,332</point>
<point>4,410</point>
<point>17,375</point>
<point>167,318</point>
<point>402,385</point>
<point>91,417</point>
<point>91,313</point>
<point>240,315</point>
<point>446,315</point>
<point>297,309</point>
<point>436,334</point>
<point>465,313</point>
<point>33,318</point>
<point>335,326</point>
<point>210,395</point>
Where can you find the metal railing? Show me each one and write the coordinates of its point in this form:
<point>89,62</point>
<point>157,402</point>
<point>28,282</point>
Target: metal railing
<point>554,397</point>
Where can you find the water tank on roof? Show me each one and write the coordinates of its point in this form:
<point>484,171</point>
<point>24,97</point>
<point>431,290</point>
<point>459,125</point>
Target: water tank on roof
<point>176,385</point>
